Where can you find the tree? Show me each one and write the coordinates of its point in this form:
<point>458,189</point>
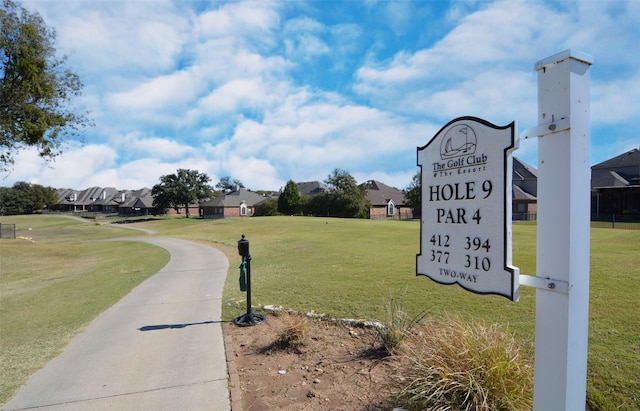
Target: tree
<point>181,189</point>
<point>289,199</point>
<point>346,199</point>
<point>25,198</point>
<point>36,87</point>
<point>413,192</point>
<point>267,208</point>
<point>226,186</point>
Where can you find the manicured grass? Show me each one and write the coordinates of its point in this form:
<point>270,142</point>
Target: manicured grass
<point>54,284</point>
<point>614,328</point>
<point>352,268</point>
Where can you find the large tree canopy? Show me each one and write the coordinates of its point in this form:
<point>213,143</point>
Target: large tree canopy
<point>413,192</point>
<point>36,87</point>
<point>25,198</point>
<point>181,189</point>
<point>346,199</point>
<point>289,199</point>
<point>225,185</point>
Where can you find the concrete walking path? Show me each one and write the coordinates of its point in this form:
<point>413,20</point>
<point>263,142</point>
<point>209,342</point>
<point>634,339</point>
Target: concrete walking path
<point>159,348</point>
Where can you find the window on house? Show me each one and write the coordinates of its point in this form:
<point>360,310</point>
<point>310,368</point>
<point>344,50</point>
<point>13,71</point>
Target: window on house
<point>391,208</point>
<point>243,209</point>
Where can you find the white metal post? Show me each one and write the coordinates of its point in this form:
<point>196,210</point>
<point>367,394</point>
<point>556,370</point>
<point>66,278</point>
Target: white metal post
<point>562,313</point>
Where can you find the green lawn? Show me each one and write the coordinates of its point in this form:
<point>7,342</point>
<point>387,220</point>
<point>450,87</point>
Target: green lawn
<point>351,268</point>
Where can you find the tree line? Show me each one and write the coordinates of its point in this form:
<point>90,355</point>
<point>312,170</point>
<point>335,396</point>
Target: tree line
<point>25,198</point>
<point>343,198</point>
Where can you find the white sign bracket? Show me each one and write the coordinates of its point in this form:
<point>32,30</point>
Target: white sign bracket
<point>545,283</point>
<point>555,126</point>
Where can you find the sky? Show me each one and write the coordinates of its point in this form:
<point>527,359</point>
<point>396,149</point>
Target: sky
<point>268,91</point>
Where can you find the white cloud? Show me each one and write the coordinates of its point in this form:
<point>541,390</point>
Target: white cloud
<point>157,148</point>
<point>128,37</point>
<point>616,101</point>
<point>75,167</point>
<point>494,39</point>
<point>248,23</point>
<point>264,91</point>
<point>235,94</point>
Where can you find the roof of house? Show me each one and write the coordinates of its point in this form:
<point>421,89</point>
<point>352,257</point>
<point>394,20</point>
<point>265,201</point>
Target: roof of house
<point>629,159</point>
<point>311,188</point>
<point>105,196</point>
<point>380,194</point>
<point>132,197</point>
<point>519,194</point>
<point>607,178</point>
<point>235,198</point>
<point>523,171</point>
<point>92,195</point>
<point>619,171</point>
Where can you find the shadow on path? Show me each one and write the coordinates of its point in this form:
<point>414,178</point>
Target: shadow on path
<point>172,326</point>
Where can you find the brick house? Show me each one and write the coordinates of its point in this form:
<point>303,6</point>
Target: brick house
<point>238,203</point>
<point>386,202</point>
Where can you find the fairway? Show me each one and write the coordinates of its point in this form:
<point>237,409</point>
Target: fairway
<point>351,268</point>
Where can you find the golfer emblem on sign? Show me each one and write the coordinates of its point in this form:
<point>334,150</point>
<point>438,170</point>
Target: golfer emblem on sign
<point>460,140</point>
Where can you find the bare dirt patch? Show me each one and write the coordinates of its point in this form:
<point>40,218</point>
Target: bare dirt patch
<point>338,367</point>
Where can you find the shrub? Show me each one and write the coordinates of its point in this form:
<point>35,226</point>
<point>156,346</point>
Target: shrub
<point>455,365</point>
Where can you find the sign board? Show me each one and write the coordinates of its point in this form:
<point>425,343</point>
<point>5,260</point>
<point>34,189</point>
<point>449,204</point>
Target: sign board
<point>465,231</point>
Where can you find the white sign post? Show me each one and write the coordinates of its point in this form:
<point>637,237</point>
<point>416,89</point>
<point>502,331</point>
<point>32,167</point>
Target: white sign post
<point>465,232</point>
<point>562,278</point>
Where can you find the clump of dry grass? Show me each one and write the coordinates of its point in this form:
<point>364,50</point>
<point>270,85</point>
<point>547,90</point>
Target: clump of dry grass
<point>457,365</point>
<point>295,333</point>
<point>397,324</point>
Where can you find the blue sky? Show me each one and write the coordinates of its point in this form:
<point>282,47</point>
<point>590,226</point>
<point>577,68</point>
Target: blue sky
<point>267,91</point>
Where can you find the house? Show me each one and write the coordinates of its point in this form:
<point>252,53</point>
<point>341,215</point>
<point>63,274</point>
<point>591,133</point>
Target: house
<point>105,200</point>
<point>615,186</point>
<point>525,191</point>
<point>386,202</point>
<point>238,203</point>
<point>94,199</point>
<point>136,202</point>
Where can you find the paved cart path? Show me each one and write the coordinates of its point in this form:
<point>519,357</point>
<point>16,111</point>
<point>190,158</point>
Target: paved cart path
<point>159,348</point>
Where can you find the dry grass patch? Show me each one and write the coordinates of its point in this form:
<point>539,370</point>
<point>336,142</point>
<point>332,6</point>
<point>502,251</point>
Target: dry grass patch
<point>460,365</point>
<point>397,324</point>
<point>295,333</point>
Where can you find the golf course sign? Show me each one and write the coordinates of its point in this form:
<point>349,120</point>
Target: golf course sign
<point>465,231</point>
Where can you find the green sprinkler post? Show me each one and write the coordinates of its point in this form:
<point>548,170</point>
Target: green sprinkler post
<point>248,319</point>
